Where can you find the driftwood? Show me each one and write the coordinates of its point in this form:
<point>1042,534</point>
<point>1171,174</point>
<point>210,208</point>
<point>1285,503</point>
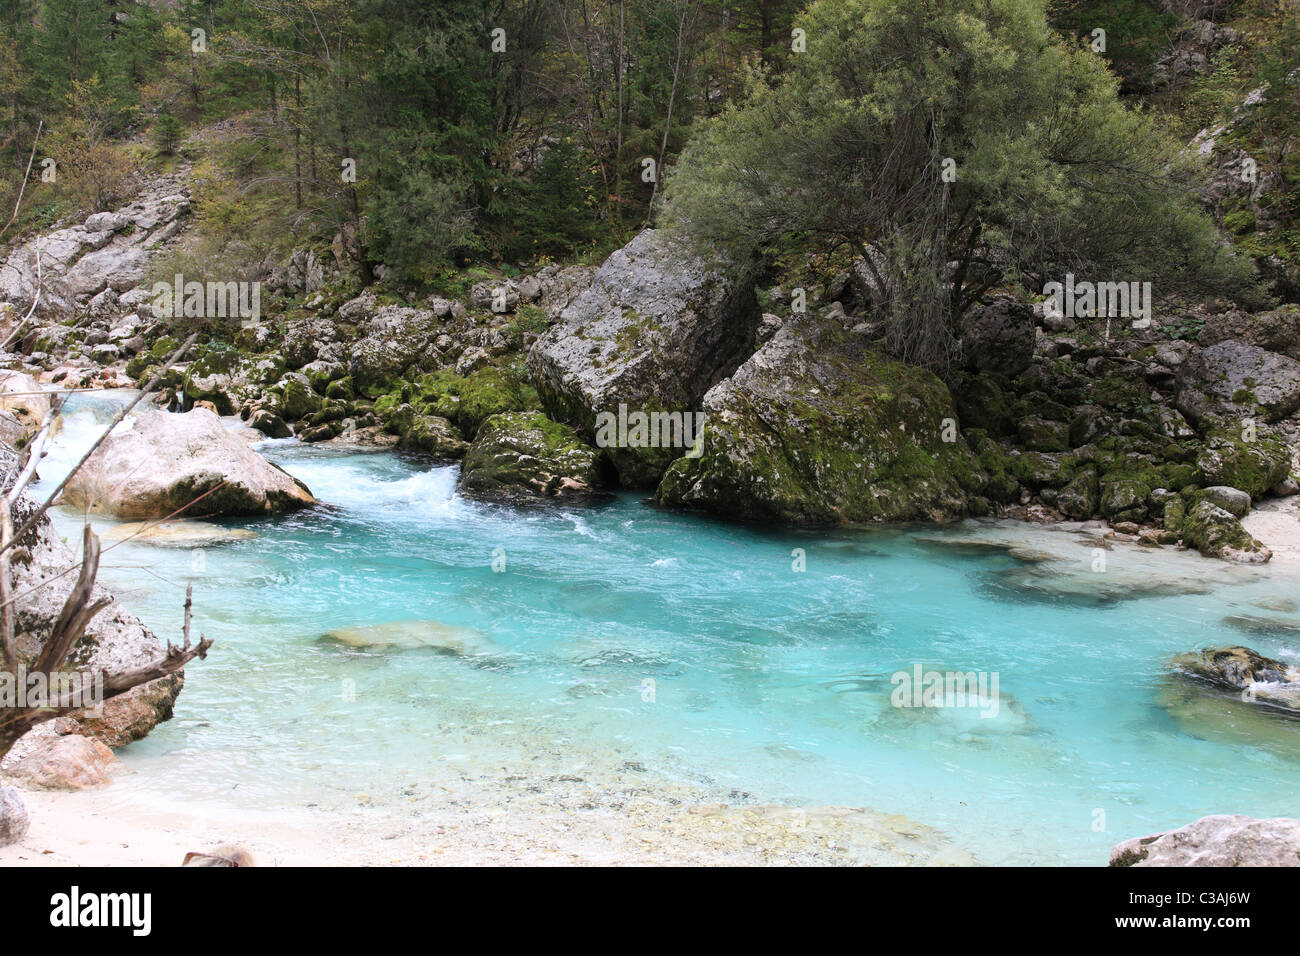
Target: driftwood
<point>80,608</point>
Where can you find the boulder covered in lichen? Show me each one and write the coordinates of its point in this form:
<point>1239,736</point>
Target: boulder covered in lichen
<point>659,325</point>
<point>819,428</point>
<point>1235,381</point>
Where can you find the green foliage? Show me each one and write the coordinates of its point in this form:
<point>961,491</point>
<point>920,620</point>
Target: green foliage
<point>1138,32</point>
<point>1052,173</point>
<point>167,132</point>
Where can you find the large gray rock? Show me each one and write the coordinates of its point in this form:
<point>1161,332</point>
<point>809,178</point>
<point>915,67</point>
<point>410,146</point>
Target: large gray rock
<point>394,339</point>
<point>1220,840</point>
<point>302,273</point>
<point>817,428</point>
<point>999,337</point>
<point>159,463</point>
<point>13,817</point>
<point>1232,380</point>
<point>1277,331</point>
<point>656,329</point>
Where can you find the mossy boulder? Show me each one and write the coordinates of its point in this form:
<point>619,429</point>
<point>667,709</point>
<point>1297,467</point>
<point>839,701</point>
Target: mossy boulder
<point>1174,514</point>
<point>297,399</point>
<point>1041,434</point>
<point>1000,485</point>
<point>1216,533</point>
<point>434,436</point>
<point>1080,499</point>
<point>1253,460</point>
<point>269,423</point>
<point>524,456</point>
<point>1124,499</point>
<point>983,403</point>
<point>817,428</point>
<point>466,400</point>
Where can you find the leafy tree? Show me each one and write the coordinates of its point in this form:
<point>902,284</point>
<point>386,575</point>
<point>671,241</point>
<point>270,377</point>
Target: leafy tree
<point>955,145</point>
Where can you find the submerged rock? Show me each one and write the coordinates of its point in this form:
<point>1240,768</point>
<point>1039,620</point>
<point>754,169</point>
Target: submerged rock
<point>1224,717</point>
<point>658,326</point>
<point>1254,677</point>
<point>1219,840</point>
<point>176,534</point>
<point>816,428</point>
<point>860,837</point>
<point>525,455</point>
<point>165,461</point>
<point>412,635</point>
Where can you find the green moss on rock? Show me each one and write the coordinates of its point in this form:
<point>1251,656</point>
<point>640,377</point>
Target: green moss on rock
<point>818,429</point>
<point>520,456</point>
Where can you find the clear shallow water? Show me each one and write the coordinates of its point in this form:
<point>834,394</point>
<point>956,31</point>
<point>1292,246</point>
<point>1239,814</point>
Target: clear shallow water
<point>767,683</point>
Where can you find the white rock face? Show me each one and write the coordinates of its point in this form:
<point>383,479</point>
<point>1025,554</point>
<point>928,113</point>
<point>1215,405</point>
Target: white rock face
<point>165,461</point>
<point>1221,840</point>
<point>110,250</point>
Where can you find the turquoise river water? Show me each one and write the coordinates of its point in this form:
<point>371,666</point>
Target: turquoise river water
<point>701,650</point>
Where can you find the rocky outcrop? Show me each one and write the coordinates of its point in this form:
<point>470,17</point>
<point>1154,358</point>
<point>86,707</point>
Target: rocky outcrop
<point>108,251</point>
<point>1277,331</point>
<point>71,762</point>
<point>657,328</point>
<point>303,273</point>
<point>521,456</point>
<point>1232,380</point>
<point>818,428</point>
<point>115,640</point>
<point>1220,840</point>
<point>1242,671</point>
<point>1217,533</point>
<point>159,463</point>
